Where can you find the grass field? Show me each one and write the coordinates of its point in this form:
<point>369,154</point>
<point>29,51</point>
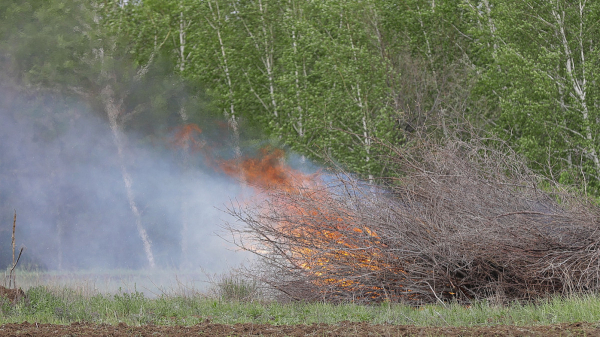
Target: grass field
<point>66,304</point>
<point>152,283</point>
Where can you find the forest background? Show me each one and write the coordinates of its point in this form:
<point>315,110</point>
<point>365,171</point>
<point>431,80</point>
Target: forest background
<point>325,79</point>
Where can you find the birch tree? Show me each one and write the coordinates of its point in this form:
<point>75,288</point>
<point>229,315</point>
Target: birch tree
<point>303,70</point>
<point>178,19</point>
<point>430,51</point>
<point>321,77</point>
<point>214,60</point>
<point>88,49</point>
<point>544,77</point>
<point>112,94</point>
<point>294,81</point>
<point>352,74</point>
<point>258,19</point>
<point>299,47</point>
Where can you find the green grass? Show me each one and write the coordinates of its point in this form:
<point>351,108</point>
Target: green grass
<point>63,306</point>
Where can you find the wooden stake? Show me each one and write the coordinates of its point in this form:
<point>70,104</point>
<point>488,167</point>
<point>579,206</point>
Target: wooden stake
<point>12,276</point>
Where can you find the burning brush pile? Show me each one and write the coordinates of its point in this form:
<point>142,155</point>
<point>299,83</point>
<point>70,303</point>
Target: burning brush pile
<point>461,221</point>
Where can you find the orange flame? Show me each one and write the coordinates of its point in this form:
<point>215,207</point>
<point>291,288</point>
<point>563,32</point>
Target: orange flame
<point>337,232</point>
<point>328,234</point>
<point>266,172</point>
<point>186,137</point>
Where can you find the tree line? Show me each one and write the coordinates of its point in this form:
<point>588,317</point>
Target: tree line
<point>326,78</point>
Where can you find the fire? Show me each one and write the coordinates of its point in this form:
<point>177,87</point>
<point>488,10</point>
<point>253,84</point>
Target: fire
<point>328,243</point>
<point>186,137</point>
<point>265,172</point>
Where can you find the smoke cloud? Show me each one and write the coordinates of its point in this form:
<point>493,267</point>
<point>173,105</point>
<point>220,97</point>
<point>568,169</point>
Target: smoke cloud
<point>60,171</point>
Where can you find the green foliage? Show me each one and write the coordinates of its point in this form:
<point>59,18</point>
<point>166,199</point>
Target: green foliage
<point>540,72</point>
<point>326,77</point>
<point>306,72</point>
<point>39,42</point>
<point>65,306</point>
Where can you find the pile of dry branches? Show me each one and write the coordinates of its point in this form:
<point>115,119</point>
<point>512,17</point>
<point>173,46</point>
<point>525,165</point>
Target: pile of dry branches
<point>462,221</point>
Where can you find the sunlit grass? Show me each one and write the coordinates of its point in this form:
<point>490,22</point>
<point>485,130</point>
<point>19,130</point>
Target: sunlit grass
<point>64,305</point>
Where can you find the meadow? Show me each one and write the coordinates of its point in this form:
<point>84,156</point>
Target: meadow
<point>232,300</point>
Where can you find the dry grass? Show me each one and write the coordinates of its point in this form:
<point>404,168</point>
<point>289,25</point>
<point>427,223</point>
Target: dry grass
<point>235,287</point>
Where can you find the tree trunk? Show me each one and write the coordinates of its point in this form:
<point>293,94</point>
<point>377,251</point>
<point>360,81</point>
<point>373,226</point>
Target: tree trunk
<point>113,111</point>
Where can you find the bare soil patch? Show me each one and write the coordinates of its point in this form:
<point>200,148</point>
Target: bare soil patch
<point>248,329</point>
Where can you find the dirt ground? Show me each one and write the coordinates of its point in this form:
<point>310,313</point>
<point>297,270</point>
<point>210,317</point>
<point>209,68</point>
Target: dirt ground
<point>12,295</point>
<point>341,329</point>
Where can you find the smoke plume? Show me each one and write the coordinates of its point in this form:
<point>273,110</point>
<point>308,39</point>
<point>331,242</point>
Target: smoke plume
<point>60,171</point>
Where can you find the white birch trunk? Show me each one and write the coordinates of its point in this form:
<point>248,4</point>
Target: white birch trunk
<point>230,114</point>
<point>366,141</point>
<point>182,57</point>
<point>183,27</point>
<point>185,209</point>
<point>299,123</point>
<point>267,59</point>
<point>113,110</point>
<point>577,81</point>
